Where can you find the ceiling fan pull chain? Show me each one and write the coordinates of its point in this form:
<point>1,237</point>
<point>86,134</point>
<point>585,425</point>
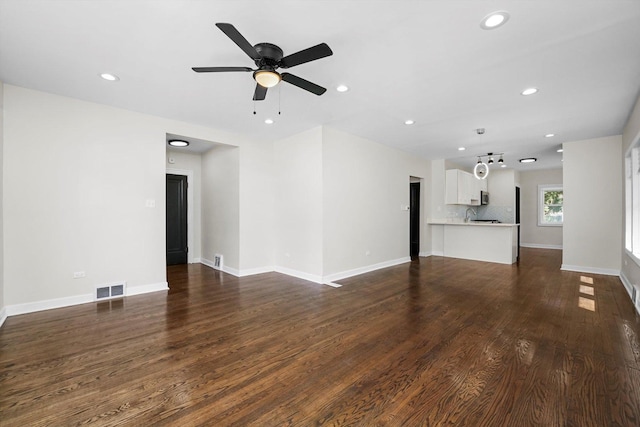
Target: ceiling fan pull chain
<point>254,107</point>
<point>279,110</point>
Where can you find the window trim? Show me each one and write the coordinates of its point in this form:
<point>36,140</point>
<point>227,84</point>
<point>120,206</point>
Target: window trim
<point>541,190</point>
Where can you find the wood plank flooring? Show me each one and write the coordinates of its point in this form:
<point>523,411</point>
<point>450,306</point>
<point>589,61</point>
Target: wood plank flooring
<point>430,343</point>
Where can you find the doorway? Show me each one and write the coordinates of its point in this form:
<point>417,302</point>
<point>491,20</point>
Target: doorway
<point>176,219</point>
<point>414,220</point>
<point>518,221</point>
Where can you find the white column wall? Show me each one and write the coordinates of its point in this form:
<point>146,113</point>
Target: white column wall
<point>593,202</point>
<point>298,202</point>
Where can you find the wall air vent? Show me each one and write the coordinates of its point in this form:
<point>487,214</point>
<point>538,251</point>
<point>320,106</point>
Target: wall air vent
<point>114,290</point>
<point>217,262</point>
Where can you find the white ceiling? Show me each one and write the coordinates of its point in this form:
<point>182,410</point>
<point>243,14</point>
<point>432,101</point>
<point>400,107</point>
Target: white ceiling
<point>425,60</point>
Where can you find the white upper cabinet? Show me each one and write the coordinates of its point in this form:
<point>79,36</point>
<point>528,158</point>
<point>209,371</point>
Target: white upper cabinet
<point>462,188</point>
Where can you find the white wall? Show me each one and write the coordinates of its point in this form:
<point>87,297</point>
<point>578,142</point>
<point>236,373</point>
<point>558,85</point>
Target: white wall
<point>298,203</point>
<point>364,186</point>
<point>592,182</point>
<point>77,177</point>
<point>190,163</point>
<point>530,233</point>
<point>257,208</point>
<point>221,206</point>
<point>501,186</point>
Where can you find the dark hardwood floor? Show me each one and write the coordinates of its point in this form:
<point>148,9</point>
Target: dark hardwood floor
<point>433,342</point>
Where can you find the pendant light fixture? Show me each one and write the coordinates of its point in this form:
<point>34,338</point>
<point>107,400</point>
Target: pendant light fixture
<point>481,170</point>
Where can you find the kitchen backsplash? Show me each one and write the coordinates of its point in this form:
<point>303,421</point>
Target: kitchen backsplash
<point>503,214</point>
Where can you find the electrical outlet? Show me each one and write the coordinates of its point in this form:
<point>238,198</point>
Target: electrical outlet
<point>78,274</point>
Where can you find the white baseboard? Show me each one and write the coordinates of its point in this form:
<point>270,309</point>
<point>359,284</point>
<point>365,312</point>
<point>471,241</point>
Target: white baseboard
<point>225,268</point>
<point>425,254</point>
<point>540,246</point>
<point>629,287</point>
<point>32,307</point>
<point>592,270</point>
<point>254,271</point>
<point>3,315</point>
<point>145,289</point>
<point>299,274</point>
<point>196,261</point>
<point>361,270</point>
<point>437,253</point>
<point>626,283</point>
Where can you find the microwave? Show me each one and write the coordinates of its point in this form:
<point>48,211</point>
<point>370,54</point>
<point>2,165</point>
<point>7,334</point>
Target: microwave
<point>484,198</point>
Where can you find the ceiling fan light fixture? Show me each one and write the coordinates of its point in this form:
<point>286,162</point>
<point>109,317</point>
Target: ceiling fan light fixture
<point>267,78</point>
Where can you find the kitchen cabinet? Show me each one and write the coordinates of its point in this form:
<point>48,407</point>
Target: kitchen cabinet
<point>462,188</point>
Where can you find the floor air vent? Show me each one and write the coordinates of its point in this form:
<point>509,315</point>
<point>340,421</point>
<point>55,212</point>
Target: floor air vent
<point>217,262</point>
<point>115,290</point>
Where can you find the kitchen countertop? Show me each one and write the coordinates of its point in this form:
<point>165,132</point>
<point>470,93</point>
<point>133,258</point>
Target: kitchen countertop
<point>470,223</point>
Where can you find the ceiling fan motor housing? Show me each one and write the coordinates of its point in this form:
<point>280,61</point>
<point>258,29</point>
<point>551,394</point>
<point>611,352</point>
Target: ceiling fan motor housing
<point>270,56</point>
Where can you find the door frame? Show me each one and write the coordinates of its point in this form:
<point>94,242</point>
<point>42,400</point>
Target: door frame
<point>190,235</point>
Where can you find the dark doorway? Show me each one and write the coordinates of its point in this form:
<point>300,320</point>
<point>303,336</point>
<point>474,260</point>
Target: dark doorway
<point>176,219</point>
<point>518,219</point>
<point>414,219</point>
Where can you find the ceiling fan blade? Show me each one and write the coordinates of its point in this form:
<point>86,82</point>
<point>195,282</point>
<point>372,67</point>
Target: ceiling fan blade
<point>239,39</point>
<point>311,54</point>
<point>303,84</point>
<point>219,69</point>
<point>260,93</point>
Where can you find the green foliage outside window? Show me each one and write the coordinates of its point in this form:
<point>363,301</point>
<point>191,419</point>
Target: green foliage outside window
<point>553,206</point>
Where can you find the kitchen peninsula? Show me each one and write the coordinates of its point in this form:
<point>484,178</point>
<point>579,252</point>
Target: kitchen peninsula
<point>480,241</point>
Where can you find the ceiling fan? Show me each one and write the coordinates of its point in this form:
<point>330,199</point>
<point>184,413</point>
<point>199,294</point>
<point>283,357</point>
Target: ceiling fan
<point>268,58</point>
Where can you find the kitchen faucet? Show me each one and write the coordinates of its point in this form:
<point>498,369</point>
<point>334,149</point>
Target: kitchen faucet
<point>466,214</point>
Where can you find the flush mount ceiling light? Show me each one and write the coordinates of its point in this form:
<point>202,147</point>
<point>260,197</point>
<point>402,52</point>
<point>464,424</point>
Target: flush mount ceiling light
<point>550,135</point>
<point>529,91</point>
<point>528,160</point>
<point>494,20</point>
<point>342,88</point>
<point>559,150</point>
<point>461,148</point>
<point>269,121</point>
<point>267,78</point>
<point>409,122</point>
<point>110,77</point>
<point>178,143</point>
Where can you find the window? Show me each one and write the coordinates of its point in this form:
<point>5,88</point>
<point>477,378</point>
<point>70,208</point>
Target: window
<point>550,200</point>
<point>632,201</point>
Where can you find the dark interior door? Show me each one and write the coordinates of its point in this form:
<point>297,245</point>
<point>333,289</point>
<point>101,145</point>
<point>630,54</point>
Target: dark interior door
<point>176,219</point>
<point>518,217</point>
<point>414,219</point>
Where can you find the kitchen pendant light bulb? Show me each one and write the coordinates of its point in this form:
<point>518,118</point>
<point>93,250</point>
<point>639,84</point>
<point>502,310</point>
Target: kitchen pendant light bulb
<point>490,161</point>
<point>481,171</point>
<point>500,160</point>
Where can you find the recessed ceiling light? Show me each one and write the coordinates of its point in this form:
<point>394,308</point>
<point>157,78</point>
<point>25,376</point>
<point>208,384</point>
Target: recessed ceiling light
<point>503,165</point>
<point>529,91</point>
<point>342,88</point>
<point>559,150</point>
<point>550,135</point>
<point>461,148</point>
<point>528,160</point>
<point>494,20</point>
<point>409,122</point>
<point>110,77</point>
<point>178,143</point>
<point>269,121</point>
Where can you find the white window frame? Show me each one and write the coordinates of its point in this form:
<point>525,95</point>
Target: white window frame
<point>632,202</point>
<point>541,190</point>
